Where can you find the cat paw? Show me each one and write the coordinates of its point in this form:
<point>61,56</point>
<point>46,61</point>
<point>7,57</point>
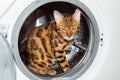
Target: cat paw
<point>51,72</point>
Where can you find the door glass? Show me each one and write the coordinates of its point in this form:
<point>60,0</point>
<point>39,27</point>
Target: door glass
<point>7,67</point>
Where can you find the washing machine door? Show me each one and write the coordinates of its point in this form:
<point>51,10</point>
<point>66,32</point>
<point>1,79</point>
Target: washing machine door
<point>7,67</point>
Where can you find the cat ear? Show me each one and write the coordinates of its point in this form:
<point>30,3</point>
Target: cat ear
<point>58,16</point>
<point>77,15</point>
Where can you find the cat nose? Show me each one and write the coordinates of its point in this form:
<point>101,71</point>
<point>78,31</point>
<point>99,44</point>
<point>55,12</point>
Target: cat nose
<point>69,35</point>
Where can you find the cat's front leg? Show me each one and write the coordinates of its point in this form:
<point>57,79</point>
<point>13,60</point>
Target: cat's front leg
<point>62,60</point>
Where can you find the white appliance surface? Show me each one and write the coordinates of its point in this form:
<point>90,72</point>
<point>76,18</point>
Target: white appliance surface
<point>110,67</point>
<point>6,6</point>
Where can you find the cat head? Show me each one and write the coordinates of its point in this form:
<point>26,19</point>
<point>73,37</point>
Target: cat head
<point>68,26</point>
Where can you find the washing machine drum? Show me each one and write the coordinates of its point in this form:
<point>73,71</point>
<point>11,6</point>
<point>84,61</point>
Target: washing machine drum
<point>43,15</point>
<point>79,55</point>
<point>7,67</point>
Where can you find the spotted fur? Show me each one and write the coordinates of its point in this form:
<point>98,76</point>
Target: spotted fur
<point>47,44</point>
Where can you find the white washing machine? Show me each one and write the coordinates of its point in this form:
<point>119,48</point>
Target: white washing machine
<point>98,45</point>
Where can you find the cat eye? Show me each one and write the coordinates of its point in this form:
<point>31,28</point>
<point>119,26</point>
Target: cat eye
<point>63,29</point>
<point>35,49</point>
<point>73,28</point>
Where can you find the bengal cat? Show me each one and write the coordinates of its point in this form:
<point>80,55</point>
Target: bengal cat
<point>47,44</point>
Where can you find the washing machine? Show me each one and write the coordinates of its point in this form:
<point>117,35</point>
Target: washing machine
<point>94,54</point>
